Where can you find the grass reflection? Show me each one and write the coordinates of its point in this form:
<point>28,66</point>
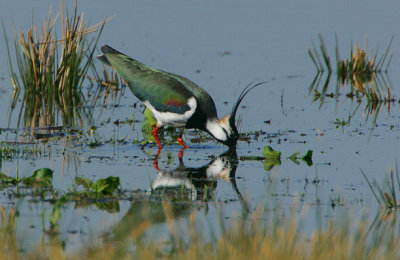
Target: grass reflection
<point>377,91</point>
<point>254,236</point>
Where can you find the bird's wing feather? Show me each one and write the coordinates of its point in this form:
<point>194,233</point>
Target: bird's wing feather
<point>164,92</point>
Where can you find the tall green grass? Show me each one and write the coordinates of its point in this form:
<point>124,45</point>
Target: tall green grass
<point>361,71</point>
<point>50,70</point>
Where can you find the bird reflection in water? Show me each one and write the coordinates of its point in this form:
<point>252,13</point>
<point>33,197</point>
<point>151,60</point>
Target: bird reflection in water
<point>194,183</point>
<point>181,185</point>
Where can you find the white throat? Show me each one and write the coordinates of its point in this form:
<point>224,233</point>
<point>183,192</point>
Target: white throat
<point>220,129</point>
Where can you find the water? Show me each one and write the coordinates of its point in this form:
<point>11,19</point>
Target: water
<point>222,47</point>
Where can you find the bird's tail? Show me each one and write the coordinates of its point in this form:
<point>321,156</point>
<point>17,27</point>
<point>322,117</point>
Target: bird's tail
<point>108,50</point>
<point>104,59</point>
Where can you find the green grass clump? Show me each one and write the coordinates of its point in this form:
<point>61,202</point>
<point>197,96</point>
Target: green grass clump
<point>360,71</point>
<point>51,70</point>
<point>361,62</point>
<point>11,151</point>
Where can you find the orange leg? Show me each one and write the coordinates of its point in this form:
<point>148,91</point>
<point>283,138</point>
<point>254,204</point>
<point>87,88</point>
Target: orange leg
<point>180,154</point>
<point>155,162</point>
<point>180,140</point>
<point>154,134</point>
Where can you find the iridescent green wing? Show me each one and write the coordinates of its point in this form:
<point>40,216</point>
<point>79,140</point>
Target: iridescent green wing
<point>163,92</point>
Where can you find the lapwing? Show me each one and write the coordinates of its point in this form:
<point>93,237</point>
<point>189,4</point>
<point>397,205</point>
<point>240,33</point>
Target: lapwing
<point>175,100</point>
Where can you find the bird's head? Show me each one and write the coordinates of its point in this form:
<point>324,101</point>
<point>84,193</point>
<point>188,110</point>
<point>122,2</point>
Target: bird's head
<point>225,129</point>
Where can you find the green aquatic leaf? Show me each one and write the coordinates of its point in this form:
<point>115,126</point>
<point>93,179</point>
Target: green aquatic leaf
<point>147,125</point>
<point>85,182</point>
<point>307,157</point>
<point>42,174</point>
<point>41,177</point>
<point>7,179</point>
<point>106,186</point>
<point>109,206</point>
<point>149,116</point>
<point>272,158</point>
<point>270,153</point>
<point>294,157</point>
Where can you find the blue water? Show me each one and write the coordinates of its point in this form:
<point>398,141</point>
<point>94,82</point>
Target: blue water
<point>223,46</point>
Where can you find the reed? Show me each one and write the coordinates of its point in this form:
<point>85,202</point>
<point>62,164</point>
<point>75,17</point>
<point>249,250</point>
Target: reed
<point>362,72</point>
<point>51,71</point>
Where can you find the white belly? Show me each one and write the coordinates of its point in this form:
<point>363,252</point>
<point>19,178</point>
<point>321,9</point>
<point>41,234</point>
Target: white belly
<point>173,119</point>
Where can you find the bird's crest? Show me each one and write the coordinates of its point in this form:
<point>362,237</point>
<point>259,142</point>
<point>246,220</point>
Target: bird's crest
<point>245,91</point>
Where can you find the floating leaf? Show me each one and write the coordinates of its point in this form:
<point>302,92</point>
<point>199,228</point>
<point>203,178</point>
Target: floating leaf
<point>85,182</point>
<point>42,174</point>
<point>7,179</point>
<point>106,186</point>
<point>307,157</point>
<point>41,177</point>
<point>294,157</point>
<point>270,153</point>
<point>272,158</point>
<point>269,164</point>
